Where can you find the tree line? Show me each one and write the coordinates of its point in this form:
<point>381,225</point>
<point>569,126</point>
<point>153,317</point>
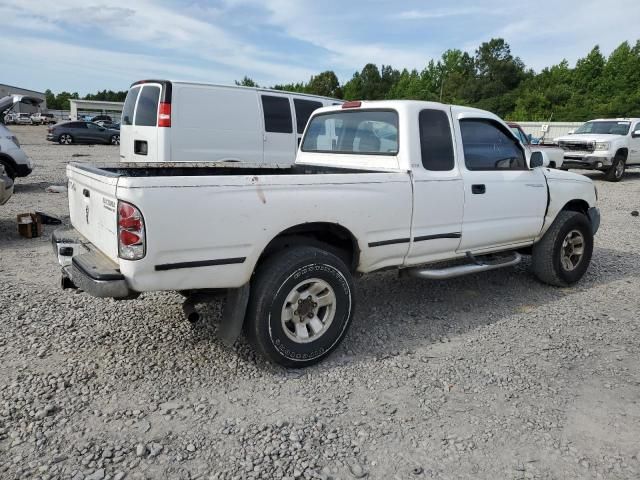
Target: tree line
<point>491,78</point>
<point>494,79</point>
<point>60,101</point>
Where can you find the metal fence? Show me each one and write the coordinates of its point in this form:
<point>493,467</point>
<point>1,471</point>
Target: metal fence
<point>554,129</point>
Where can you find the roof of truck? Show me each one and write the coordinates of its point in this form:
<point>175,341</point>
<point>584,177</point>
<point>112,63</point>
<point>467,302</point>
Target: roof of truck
<point>261,89</point>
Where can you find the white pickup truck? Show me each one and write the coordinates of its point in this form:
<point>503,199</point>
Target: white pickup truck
<point>406,185</point>
<point>608,145</point>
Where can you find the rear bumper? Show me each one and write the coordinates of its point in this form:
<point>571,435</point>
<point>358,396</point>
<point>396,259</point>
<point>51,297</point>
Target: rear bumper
<point>85,268</point>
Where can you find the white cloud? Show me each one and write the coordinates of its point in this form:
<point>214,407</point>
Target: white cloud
<point>437,13</point>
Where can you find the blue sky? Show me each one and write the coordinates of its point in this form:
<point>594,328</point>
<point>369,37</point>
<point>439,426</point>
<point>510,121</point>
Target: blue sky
<point>90,45</point>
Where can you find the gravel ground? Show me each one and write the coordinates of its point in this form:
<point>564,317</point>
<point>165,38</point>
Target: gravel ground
<point>489,376</point>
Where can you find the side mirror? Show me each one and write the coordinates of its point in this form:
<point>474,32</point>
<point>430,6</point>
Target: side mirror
<point>570,132</point>
<point>635,134</point>
<point>538,159</point>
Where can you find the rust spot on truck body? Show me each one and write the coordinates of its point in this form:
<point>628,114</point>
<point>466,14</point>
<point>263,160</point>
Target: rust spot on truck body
<point>256,181</point>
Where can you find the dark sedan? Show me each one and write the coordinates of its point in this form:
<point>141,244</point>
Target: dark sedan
<point>67,133</point>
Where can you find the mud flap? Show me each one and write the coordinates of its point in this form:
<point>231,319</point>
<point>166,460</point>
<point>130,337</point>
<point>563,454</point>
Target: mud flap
<point>233,314</point>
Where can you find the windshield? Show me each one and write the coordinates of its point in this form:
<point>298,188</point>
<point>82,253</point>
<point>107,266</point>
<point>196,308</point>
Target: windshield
<point>612,127</point>
<point>370,132</point>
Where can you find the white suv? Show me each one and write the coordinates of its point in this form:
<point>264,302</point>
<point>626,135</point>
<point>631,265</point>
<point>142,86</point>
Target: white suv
<point>608,145</point>
<point>15,162</point>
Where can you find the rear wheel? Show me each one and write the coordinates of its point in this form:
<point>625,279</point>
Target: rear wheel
<point>300,307</point>
<point>115,140</point>
<point>65,139</point>
<point>563,254</point>
<point>616,171</point>
<point>11,173</point>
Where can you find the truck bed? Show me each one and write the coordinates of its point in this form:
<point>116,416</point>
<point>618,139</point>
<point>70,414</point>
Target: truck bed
<point>139,170</point>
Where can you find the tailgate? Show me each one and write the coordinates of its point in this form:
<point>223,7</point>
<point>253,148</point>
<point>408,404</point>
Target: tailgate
<point>93,207</point>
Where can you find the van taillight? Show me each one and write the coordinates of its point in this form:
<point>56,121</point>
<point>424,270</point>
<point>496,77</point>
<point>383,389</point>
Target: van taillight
<point>131,234</point>
<point>164,115</point>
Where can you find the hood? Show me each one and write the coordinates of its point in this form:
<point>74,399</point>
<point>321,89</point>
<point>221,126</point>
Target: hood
<point>9,101</point>
<point>555,174</point>
<point>590,137</point>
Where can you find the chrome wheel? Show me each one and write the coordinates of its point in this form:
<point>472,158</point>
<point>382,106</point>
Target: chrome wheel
<point>66,139</point>
<point>308,310</point>
<point>619,169</point>
<point>115,140</point>
<point>572,250</point>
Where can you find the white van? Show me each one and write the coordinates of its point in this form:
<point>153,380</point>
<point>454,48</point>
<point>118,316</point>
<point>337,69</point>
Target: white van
<point>168,121</point>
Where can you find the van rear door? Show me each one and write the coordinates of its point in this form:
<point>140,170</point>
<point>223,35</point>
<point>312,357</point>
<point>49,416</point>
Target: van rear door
<point>280,142</point>
<point>142,120</point>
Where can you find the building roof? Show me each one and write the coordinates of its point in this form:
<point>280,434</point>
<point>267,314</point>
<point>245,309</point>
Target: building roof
<point>20,88</point>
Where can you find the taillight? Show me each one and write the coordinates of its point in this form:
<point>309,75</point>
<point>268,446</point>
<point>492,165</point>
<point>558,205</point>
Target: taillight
<point>131,235</point>
<point>164,115</point>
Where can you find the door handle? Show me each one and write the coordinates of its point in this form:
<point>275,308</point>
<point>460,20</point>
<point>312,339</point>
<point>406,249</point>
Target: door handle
<point>478,189</point>
<point>86,193</point>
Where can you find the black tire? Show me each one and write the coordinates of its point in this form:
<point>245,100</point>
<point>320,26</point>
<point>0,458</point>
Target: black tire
<point>115,140</point>
<point>617,169</point>
<point>271,289</point>
<point>65,139</point>
<point>11,173</point>
<point>548,254</point>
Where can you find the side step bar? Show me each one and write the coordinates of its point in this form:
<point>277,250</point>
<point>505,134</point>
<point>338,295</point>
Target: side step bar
<point>460,270</point>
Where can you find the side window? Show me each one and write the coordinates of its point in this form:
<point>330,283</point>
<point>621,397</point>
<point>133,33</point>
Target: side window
<point>304,109</point>
<point>436,143</point>
<point>147,109</point>
<point>277,114</point>
<point>93,126</point>
<point>129,105</point>
<point>78,125</point>
<point>488,147</point>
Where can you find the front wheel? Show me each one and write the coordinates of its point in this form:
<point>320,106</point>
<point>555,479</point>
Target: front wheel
<point>115,140</point>
<point>300,307</point>
<point>616,171</point>
<point>65,139</point>
<point>563,254</point>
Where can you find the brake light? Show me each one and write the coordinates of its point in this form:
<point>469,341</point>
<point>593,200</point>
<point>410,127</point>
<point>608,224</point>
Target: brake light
<point>131,234</point>
<point>355,104</point>
<point>164,115</point>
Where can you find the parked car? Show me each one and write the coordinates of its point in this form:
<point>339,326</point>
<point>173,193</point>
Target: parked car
<point>286,242</point>
<point>164,121</point>
<point>43,118</point>
<point>15,161</point>
<point>608,145</point>
<point>6,186</point>
<point>101,118</point>
<point>10,118</point>
<point>23,119</point>
<point>555,154</point>
<point>108,124</point>
<point>67,133</point>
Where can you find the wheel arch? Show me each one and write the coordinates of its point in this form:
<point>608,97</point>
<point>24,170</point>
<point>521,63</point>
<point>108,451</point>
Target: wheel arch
<point>577,205</point>
<point>622,152</point>
<point>8,162</point>
<point>339,240</point>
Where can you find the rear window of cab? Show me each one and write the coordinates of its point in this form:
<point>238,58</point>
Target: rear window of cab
<point>363,132</point>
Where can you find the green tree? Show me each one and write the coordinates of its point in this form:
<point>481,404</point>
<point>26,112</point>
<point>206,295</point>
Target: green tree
<point>325,84</point>
<point>247,82</point>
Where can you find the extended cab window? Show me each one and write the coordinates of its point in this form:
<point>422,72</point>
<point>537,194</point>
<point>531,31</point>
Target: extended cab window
<point>436,143</point>
<point>487,146</point>
<point>277,114</point>
<point>304,109</point>
<point>370,132</point>
<point>147,109</point>
<point>129,106</point>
